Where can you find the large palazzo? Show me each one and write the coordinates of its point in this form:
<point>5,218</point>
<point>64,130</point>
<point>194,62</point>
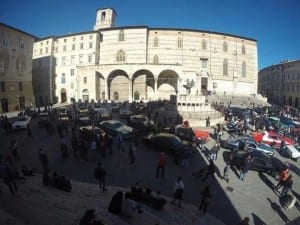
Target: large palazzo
<point>141,63</point>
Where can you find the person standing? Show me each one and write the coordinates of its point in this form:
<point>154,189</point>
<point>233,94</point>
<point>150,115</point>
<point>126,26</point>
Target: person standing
<point>217,149</point>
<point>100,174</point>
<point>120,142</point>
<point>245,168</point>
<point>284,174</point>
<point>161,164</point>
<point>29,133</point>
<point>14,149</point>
<point>205,198</point>
<point>178,192</point>
<point>226,172</point>
<point>9,177</point>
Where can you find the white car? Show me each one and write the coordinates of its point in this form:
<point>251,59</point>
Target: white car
<point>292,152</point>
<point>22,122</point>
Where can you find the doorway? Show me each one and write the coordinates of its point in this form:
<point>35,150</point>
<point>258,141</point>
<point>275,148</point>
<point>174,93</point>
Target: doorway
<point>4,105</point>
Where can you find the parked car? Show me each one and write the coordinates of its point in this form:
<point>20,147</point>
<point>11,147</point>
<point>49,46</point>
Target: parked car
<point>43,119</point>
<point>140,121</point>
<point>292,152</point>
<point>259,161</point>
<point>166,142</point>
<point>84,117</point>
<point>188,133</point>
<point>272,138</point>
<point>114,127</point>
<point>125,112</point>
<point>102,114</point>
<point>235,143</point>
<point>22,122</point>
<point>88,133</point>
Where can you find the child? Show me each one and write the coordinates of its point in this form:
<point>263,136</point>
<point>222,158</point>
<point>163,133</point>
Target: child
<point>226,172</point>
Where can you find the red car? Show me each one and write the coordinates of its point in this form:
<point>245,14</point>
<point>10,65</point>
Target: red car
<point>272,138</point>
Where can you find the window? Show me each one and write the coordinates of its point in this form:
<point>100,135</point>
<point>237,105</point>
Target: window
<point>63,78</point>
<point>155,60</point>
<point>65,40</point>
<point>90,58</point>
<point>80,58</point>
<point>20,86</point>
<point>85,80</point>
<point>73,47</point>
<point>63,60</point>
<point>116,95</point>
<point>2,86</point>
<point>243,50</point>
<point>120,56</point>
<point>204,44</point>
<point>156,42</point>
<point>81,38</point>
<point>41,51</point>
<point>225,67</point>
<point>46,50</point>
<point>74,38</point>
<point>225,47</point>
<point>64,48</point>
<point>81,45</point>
<point>121,35</point>
<point>179,43</point>
<point>204,63</point>
<point>91,37</point>
<point>244,69</point>
<point>103,14</point>
<point>72,85</point>
<point>56,49</point>
<point>91,45</point>
<point>72,59</point>
<point>72,72</point>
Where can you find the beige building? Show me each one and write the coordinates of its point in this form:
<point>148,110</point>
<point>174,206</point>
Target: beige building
<point>142,63</point>
<point>15,68</point>
<point>280,83</point>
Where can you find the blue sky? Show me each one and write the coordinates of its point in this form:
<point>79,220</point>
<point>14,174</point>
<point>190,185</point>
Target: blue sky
<point>275,24</point>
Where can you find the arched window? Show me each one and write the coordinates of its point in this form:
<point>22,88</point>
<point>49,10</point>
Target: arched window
<point>156,42</point>
<point>179,42</point>
<point>136,95</point>
<point>155,60</point>
<point>120,56</point>
<point>116,95</point>
<point>290,100</point>
<point>225,47</point>
<point>243,50</point>
<point>244,69</point>
<point>204,44</point>
<point>103,14</point>
<point>121,35</point>
<point>225,67</point>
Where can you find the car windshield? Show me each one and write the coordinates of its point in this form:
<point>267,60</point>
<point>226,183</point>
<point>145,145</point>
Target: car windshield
<point>116,125</point>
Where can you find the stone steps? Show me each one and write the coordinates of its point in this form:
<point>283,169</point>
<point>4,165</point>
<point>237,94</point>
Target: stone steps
<point>40,204</point>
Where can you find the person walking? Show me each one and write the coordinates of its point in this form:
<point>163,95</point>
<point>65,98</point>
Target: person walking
<point>288,185</point>
<point>132,154</point>
<point>217,149</point>
<point>178,192</point>
<point>245,168</point>
<point>100,174</point>
<point>226,172</point>
<point>211,168</point>
<point>284,174</point>
<point>161,164</point>
<point>205,198</point>
<point>120,142</point>
<point>9,177</point>
<point>14,149</point>
<point>29,133</point>
<point>44,161</point>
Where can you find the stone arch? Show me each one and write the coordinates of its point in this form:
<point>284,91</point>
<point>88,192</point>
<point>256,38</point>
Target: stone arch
<point>296,102</point>
<point>143,83</point>
<point>100,86</point>
<point>167,84</point>
<point>118,81</point>
<point>63,95</point>
<point>290,101</point>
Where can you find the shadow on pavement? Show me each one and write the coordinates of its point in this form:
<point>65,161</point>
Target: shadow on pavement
<point>266,180</point>
<point>257,220</point>
<point>278,210</point>
<point>294,169</point>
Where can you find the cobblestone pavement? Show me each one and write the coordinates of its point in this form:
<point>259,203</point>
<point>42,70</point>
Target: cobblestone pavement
<point>230,202</point>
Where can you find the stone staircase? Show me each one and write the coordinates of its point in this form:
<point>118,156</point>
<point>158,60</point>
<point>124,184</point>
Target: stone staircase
<point>40,204</point>
<point>238,100</point>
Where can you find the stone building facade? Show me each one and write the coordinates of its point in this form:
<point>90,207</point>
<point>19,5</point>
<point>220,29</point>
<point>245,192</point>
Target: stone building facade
<point>143,63</point>
<point>280,83</point>
<point>16,90</point>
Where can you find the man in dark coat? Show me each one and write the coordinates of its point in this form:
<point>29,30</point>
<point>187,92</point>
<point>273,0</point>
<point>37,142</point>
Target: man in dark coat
<point>100,174</point>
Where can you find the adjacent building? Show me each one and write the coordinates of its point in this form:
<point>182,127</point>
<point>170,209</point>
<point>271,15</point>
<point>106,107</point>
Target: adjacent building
<point>16,91</point>
<point>143,63</point>
<point>280,83</point>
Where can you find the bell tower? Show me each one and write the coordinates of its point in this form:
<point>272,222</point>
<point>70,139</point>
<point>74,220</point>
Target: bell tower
<point>105,18</point>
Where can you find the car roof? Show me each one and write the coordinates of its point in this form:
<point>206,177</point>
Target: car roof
<point>110,122</point>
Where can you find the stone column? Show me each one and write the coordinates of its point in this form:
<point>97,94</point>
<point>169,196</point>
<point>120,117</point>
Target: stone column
<point>155,88</point>
<point>130,90</point>
<point>106,88</point>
